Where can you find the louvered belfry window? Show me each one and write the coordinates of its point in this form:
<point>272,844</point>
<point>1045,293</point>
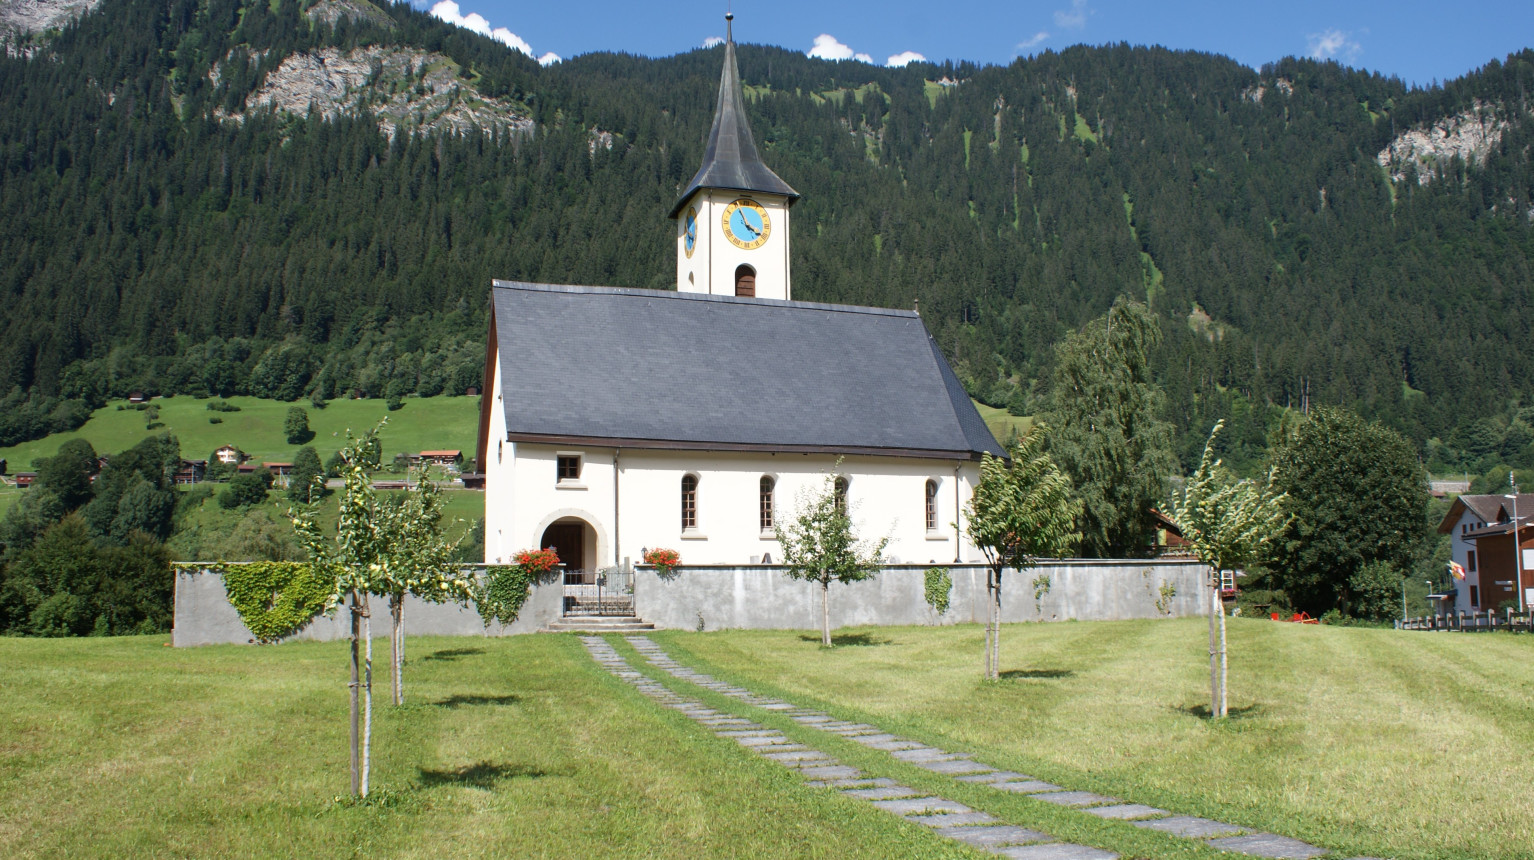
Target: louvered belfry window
<point>689,502</point>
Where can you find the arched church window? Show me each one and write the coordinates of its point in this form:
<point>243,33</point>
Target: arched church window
<point>765,503</point>
<point>689,502</point>
<point>839,488</point>
<point>745,282</point>
<point>931,506</point>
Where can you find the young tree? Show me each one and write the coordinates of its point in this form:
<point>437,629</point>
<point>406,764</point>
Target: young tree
<point>422,563</point>
<point>1230,523</point>
<point>296,426</point>
<point>1358,494</point>
<point>819,546</point>
<point>1022,510</point>
<point>1107,433</point>
<point>302,488</point>
<point>376,547</point>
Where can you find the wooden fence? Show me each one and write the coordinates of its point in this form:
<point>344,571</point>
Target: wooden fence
<point>1473,622</point>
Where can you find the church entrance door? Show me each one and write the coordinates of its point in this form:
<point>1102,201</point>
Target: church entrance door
<point>567,537</point>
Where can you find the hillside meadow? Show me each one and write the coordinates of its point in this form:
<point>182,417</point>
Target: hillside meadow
<point>424,423</point>
<point>1367,742</point>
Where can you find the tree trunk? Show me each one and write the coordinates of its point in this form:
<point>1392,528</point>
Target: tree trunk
<point>367,695</point>
<point>996,625</point>
<point>825,612</point>
<point>1214,679</point>
<point>1224,669</point>
<point>356,612</point>
<point>397,646</point>
<point>990,585</point>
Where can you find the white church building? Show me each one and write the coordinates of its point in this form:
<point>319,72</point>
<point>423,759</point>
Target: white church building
<point>694,420</point>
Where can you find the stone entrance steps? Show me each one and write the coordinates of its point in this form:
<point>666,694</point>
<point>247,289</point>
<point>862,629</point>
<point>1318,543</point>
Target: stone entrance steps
<point>599,624</point>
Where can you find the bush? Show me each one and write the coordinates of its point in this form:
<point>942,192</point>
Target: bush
<point>222,406</point>
<point>1376,592</point>
<point>244,490</point>
<point>215,420</point>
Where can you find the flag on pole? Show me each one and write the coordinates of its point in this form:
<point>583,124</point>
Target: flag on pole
<point>1456,569</point>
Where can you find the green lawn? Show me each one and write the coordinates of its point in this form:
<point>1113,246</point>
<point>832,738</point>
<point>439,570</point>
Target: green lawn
<point>257,429</point>
<point>8,496</point>
<point>507,748</point>
<point>1002,422</point>
<point>1368,742</point>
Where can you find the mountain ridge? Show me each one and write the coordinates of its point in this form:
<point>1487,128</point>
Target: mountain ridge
<point>1015,204</point>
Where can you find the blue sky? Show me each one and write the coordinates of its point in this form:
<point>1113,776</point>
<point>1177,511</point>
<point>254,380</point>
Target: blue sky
<point>1418,41</point>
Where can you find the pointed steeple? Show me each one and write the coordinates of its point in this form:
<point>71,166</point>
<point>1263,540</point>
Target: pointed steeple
<point>731,160</point>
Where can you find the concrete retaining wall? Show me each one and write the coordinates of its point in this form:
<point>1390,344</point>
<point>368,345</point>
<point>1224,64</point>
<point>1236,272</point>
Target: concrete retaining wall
<point>204,615</point>
<point>762,597</point>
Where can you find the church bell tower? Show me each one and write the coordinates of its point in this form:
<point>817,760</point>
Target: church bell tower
<point>732,221</point>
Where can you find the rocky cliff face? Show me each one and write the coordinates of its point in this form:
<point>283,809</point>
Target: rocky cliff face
<point>18,18</point>
<point>406,89</point>
<point>1471,135</point>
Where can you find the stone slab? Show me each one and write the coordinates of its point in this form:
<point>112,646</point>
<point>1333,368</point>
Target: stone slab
<point>1191,826</point>
<point>757,732</point>
<point>956,819</point>
<point>761,740</point>
<point>891,792</point>
<point>988,837</point>
<point>954,767</point>
<point>832,771</point>
<point>996,776</point>
<point>919,805</point>
<point>919,753</point>
<point>1126,811</point>
<point>884,737</point>
<point>801,754</point>
<point>1057,851</point>
<point>1074,798</point>
<point>1269,845</point>
<point>890,746</point>
<point>858,782</point>
<point>1026,786</point>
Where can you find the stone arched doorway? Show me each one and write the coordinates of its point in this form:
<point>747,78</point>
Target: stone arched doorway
<point>575,540</point>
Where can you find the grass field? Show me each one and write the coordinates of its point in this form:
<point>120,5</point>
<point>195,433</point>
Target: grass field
<point>507,748</point>
<point>1369,742</point>
<point>8,496</point>
<point>1002,422</point>
<point>1402,745</point>
<point>429,423</point>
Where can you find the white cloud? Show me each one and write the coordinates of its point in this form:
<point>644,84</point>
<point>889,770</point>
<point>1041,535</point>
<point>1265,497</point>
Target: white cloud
<point>712,41</point>
<point>1074,18</point>
<point>449,11</point>
<point>827,48</point>
<point>905,58</point>
<point>1032,42</point>
<point>1332,44</point>
<point>550,59</point>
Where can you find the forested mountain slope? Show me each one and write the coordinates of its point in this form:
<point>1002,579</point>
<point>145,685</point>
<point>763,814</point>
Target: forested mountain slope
<point>176,218</point>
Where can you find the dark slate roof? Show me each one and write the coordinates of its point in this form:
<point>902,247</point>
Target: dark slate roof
<point>651,368</point>
<point>731,160</point>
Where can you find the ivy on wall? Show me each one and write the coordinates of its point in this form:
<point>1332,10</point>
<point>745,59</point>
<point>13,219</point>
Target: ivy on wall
<point>275,598</point>
<point>503,591</point>
<point>939,585</point>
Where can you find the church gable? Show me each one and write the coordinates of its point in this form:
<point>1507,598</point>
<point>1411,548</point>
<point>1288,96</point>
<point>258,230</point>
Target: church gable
<point>645,368</point>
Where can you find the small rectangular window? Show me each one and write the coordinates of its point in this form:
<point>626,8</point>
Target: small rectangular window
<point>1470,561</point>
<point>1475,596</point>
<point>569,467</point>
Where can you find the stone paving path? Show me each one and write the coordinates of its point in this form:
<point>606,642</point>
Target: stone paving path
<point>945,817</point>
<point>964,768</point>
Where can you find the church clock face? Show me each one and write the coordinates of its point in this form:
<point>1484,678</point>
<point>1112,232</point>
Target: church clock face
<point>746,224</point>
<point>690,234</point>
